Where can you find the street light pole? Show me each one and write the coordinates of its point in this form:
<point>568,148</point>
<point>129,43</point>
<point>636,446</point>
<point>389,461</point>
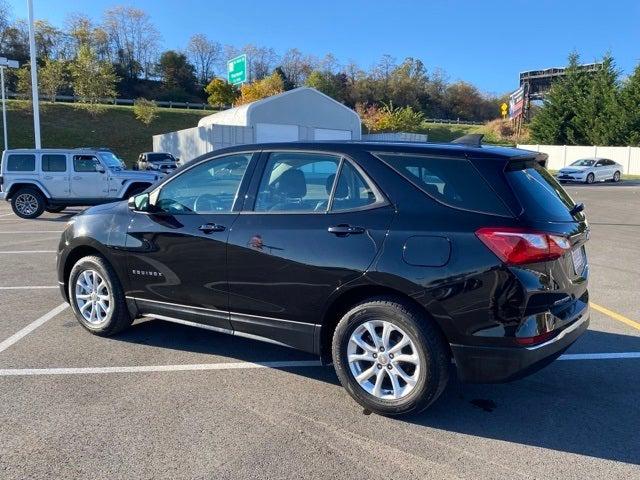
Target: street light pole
<point>34,77</point>
<point>4,110</point>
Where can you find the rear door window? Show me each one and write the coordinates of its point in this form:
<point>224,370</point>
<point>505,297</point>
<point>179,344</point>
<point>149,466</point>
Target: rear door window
<point>352,191</point>
<point>54,163</point>
<point>21,162</point>
<point>452,181</point>
<point>541,197</point>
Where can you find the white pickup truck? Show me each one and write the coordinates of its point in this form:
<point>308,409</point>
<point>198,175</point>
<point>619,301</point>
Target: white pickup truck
<point>50,180</point>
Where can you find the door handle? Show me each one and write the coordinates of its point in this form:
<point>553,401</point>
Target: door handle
<point>48,177</point>
<point>345,230</point>
<point>77,178</point>
<point>211,227</point>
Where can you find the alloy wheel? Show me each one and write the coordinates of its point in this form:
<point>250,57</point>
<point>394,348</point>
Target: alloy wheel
<point>92,297</point>
<point>26,204</point>
<point>383,359</point>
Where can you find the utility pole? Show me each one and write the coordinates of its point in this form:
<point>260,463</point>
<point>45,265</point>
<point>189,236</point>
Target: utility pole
<point>34,77</point>
<point>5,63</point>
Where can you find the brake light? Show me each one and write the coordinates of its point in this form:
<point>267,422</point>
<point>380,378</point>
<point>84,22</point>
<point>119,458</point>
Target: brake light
<point>517,246</point>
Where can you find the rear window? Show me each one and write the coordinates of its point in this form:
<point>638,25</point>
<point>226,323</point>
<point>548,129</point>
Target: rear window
<point>454,182</point>
<point>541,197</point>
<point>22,162</point>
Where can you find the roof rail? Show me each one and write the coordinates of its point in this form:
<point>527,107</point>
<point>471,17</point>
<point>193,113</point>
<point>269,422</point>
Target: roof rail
<point>471,140</point>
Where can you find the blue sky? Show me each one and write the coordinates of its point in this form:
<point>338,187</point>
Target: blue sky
<point>487,43</point>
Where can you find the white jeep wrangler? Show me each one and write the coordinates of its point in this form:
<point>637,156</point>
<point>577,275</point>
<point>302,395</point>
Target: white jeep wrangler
<point>50,180</point>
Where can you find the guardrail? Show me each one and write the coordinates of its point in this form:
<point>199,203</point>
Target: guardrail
<point>119,101</point>
<point>449,121</point>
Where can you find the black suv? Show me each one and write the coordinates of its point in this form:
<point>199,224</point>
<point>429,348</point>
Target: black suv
<point>393,261</point>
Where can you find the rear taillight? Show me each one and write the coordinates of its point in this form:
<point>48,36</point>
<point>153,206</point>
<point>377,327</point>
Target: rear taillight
<point>517,246</point>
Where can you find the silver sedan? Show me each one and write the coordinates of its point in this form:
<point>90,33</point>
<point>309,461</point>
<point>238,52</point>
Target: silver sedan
<point>590,170</point>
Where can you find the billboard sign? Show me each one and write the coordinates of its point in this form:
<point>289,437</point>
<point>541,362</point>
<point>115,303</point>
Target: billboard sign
<point>516,103</point>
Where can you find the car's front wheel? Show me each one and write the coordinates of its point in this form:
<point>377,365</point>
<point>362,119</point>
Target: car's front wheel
<point>390,357</point>
<point>97,298</point>
<point>616,177</point>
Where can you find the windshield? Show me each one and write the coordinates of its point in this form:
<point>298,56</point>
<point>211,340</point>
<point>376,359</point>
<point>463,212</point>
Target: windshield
<point>160,157</point>
<point>585,162</point>
<point>111,161</point>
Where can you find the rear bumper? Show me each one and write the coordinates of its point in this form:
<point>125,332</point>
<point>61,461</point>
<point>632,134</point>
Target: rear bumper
<point>477,364</point>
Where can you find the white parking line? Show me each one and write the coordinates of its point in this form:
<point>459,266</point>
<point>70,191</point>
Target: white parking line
<point>20,252</point>
<point>14,232</point>
<point>30,287</point>
<point>157,368</point>
<point>31,327</point>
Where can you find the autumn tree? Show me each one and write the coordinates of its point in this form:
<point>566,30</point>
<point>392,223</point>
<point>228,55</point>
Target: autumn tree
<point>221,93</point>
<point>145,110</point>
<point>268,86</point>
<point>93,80</point>
<point>52,77</point>
<point>204,54</point>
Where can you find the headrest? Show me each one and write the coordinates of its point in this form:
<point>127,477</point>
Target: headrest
<point>291,184</point>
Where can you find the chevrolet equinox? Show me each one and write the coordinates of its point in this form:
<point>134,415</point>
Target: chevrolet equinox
<point>398,263</point>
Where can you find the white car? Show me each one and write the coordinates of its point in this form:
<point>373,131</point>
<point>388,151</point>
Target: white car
<point>50,180</point>
<point>590,170</point>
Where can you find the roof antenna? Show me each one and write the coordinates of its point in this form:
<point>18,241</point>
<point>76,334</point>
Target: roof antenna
<point>471,140</point>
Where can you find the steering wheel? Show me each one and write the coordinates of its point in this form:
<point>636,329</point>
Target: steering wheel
<point>207,202</point>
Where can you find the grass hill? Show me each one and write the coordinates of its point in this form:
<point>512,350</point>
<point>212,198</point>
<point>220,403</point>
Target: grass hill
<point>65,125</point>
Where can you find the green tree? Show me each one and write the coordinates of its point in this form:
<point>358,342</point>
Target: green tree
<point>52,77</point>
<point>558,121</point>
<point>221,93</point>
<point>331,84</point>
<point>630,109</point>
<point>93,80</point>
<point>599,116</point>
<point>176,71</point>
<point>145,110</point>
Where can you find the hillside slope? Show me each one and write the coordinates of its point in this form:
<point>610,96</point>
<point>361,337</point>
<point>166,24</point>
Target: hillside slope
<point>66,125</point>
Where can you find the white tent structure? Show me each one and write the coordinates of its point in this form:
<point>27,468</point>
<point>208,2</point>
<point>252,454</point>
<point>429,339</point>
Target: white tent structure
<point>301,114</point>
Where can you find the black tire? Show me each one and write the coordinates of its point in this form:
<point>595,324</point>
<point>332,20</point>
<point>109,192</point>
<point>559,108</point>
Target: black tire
<point>431,350</point>
<point>591,178</point>
<point>118,317</point>
<point>28,203</point>
<point>616,177</point>
<point>54,209</point>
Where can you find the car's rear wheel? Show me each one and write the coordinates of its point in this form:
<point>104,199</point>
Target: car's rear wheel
<point>390,357</point>
<point>97,298</point>
<point>591,178</point>
<point>28,203</point>
<point>55,209</point>
<point>616,177</point>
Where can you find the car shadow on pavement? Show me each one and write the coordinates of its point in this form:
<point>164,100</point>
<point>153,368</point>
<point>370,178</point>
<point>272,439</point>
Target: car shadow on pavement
<point>586,407</point>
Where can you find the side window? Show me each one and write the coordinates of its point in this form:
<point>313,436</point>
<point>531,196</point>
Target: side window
<point>85,163</point>
<point>23,162</point>
<point>297,182</point>
<point>452,181</point>
<point>210,187</point>
<point>54,163</point>
<point>352,190</point>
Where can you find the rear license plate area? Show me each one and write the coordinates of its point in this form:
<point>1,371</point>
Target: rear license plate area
<point>579,260</point>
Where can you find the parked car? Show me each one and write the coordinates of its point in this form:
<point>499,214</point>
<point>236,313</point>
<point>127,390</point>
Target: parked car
<point>50,180</point>
<point>159,161</point>
<point>590,170</point>
<point>406,260</point>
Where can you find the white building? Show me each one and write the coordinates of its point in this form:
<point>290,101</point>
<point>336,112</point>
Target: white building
<point>297,115</point>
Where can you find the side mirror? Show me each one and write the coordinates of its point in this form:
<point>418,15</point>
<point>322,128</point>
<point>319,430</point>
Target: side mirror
<point>139,203</point>
<point>100,168</point>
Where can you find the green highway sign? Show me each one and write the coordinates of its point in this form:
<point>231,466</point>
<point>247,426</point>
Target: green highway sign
<point>237,70</point>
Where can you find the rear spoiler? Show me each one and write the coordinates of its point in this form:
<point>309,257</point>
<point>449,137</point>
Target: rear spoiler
<point>542,158</point>
<point>470,140</point>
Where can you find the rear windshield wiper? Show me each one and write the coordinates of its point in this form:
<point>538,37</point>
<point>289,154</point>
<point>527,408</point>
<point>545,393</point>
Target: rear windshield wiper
<point>577,208</point>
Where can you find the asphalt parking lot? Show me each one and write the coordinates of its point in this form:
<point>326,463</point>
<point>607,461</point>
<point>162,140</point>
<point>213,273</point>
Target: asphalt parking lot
<point>169,401</point>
